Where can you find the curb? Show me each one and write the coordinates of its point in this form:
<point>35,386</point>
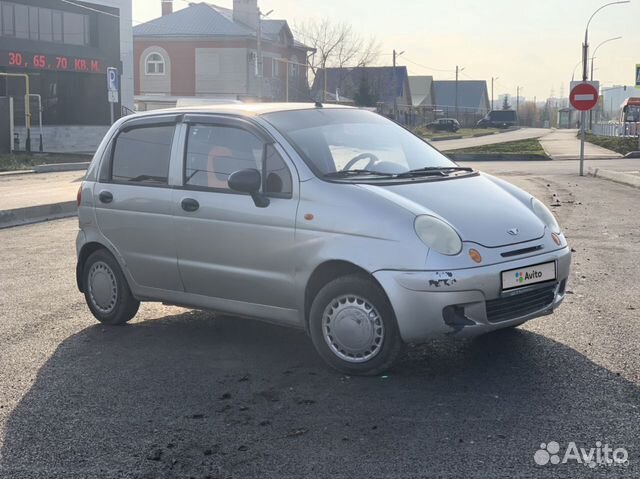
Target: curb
<point>480,135</point>
<point>59,167</point>
<point>495,157</point>
<point>616,176</point>
<point>37,214</point>
<point>16,172</point>
<point>446,138</point>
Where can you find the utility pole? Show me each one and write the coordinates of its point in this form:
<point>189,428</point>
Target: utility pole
<point>518,104</point>
<point>458,71</point>
<point>259,65</point>
<point>259,62</point>
<point>324,81</point>
<point>493,107</point>
<point>395,84</point>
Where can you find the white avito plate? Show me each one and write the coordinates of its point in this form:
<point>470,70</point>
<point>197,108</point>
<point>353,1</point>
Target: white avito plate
<point>518,278</point>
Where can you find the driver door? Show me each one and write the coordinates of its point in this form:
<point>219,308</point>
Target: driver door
<point>229,249</point>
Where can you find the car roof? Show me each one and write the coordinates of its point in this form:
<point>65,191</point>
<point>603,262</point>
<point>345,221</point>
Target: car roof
<point>241,109</point>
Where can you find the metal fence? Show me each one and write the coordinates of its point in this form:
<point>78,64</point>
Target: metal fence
<point>616,129</point>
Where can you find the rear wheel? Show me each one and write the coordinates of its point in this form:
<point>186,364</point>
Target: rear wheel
<point>353,326</point>
<point>106,290</point>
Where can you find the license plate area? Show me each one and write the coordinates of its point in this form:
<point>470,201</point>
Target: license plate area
<point>528,275</point>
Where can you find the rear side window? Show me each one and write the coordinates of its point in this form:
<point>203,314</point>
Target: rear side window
<point>142,155</point>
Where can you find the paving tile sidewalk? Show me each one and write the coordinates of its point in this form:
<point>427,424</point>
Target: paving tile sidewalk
<point>565,145</point>
<point>517,135</point>
<point>27,198</point>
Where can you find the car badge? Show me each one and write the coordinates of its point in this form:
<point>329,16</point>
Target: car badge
<point>514,231</point>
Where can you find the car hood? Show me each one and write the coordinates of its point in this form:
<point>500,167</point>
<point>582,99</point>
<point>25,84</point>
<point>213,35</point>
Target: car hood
<point>478,207</point>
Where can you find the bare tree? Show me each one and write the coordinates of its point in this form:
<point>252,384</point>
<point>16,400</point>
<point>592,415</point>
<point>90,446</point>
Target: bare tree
<point>337,45</point>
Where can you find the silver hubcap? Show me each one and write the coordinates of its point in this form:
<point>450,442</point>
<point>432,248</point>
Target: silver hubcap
<point>103,287</point>
<point>353,328</point>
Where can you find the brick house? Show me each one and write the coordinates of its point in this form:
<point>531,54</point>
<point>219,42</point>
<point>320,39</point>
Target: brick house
<point>209,51</point>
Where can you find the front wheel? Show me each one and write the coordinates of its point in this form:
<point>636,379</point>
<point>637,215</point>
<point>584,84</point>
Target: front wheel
<point>353,326</point>
<point>106,290</point>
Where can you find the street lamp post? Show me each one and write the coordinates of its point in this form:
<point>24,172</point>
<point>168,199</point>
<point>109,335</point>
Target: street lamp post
<point>593,57</point>
<point>585,73</point>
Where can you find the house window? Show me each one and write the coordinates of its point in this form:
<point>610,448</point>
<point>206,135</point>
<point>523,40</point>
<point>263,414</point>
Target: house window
<point>154,64</point>
<point>7,20</point>
<point>21,21</point>
<point>275,68</point>
<point>73,28</point>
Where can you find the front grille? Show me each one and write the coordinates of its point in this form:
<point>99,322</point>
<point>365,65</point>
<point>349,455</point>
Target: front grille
<point>518,305</point>
<point>518,252</point>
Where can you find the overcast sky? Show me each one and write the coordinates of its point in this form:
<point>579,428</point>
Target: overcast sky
<point>534,44</point>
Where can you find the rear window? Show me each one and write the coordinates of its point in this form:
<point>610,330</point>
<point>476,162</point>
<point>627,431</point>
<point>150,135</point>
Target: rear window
<point>142,155</point>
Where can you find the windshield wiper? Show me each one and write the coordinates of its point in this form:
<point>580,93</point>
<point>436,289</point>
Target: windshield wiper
<point>433,170</point>
<point>440,168</point>
<point>348,173</point>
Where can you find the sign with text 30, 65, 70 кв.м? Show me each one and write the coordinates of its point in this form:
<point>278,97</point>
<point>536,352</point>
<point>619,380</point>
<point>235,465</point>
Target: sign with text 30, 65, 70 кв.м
<point>39,61</point>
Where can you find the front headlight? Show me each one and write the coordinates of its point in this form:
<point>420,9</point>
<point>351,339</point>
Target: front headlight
<point>545,215</point>
<point>438,235</point>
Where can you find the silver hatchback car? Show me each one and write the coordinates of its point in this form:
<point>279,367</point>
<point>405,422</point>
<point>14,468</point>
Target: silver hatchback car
<point>331,219</point>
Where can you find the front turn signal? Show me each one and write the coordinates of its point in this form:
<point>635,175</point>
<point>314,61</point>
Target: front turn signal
<point>475,255</point>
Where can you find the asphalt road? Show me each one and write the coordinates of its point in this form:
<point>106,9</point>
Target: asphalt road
<point>180,394</point>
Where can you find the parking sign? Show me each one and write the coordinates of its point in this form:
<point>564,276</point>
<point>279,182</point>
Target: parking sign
<point>113,84</point>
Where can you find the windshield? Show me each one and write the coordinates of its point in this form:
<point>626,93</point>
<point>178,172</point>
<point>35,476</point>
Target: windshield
<point>335,140</point>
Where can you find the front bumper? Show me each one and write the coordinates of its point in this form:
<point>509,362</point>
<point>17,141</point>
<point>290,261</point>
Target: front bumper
<point>429,304</point>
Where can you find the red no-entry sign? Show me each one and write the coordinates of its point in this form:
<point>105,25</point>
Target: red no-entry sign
<point>584,95</point>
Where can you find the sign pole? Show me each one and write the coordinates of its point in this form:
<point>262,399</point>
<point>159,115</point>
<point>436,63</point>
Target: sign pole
<point>584,96</point>
<point>113,86</point>
<point>583,116</point>
<point>583,119</point>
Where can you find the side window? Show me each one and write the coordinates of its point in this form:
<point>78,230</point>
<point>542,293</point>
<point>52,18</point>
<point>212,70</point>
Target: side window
<point>214,152</point>
<point>142,155</point>
<point>277,175</point>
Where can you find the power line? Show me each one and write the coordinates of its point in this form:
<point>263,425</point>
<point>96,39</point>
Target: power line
<point>428,68</point>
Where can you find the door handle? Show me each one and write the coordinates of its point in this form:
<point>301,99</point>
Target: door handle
<point>105,196</point>
<point>190,205</point>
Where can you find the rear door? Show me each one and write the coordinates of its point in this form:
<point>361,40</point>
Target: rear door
<point>134,202</point>
<point>227,247</point>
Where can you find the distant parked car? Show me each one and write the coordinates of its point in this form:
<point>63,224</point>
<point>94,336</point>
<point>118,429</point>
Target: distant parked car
<point>444,124</point>
<point>499,119</point>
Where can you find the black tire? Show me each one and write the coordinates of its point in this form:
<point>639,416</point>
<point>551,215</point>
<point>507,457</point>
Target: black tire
<point>121,306</point>
<point>390,346</point>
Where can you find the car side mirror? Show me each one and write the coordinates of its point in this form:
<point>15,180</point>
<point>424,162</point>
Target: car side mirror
<point>249,181</point>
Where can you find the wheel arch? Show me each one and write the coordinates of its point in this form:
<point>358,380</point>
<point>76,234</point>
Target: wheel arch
<point>326,272</point>
<point>87,250</point>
